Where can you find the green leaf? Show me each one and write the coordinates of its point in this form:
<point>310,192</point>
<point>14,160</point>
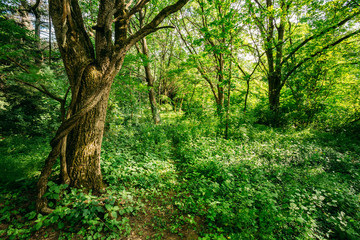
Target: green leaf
<point>38,226</point>
<point>61,225</point>
<point>32,215</point>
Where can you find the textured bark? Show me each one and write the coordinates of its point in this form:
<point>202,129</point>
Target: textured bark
<point>220,101</point>
<point>65,179</point>
<point>274,97</point>
<point>84,141</point>
<point>274,83</point>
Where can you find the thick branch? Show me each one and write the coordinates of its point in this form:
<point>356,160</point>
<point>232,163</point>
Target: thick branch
<point>152,26</point>
<point>138,6</point>
<point>42,89</point>
<point>29,8</point>
<point>103,36</point>
<point>36,5</point>
<point>317,53</point>
<point>74,43</point>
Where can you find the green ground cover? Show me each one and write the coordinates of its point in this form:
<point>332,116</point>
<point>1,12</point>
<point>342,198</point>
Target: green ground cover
<point>178,180</point>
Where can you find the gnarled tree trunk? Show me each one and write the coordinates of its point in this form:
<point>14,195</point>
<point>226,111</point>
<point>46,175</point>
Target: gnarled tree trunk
<point>83,145</point>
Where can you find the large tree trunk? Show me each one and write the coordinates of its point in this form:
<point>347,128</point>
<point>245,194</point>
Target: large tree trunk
<point>220,101</point>
<point>274,62</point>
<point>83,146</point>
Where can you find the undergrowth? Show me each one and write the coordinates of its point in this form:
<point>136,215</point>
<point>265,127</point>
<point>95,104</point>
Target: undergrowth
<point>179,180</point>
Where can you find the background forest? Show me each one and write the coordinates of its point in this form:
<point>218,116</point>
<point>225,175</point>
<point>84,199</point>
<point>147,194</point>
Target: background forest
<point>234,120</point>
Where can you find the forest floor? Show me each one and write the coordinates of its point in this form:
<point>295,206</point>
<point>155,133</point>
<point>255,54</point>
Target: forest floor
<point>181,180</point>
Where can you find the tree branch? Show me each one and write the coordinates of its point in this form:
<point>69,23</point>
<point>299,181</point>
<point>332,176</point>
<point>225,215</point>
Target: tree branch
<point>73,41</point>
<point>36,5</point>
<point>42,89</point>
<point>164,27</point>
<point>152,26</point>
<point>18,64</point>
<point>318,35</point>
<point>138,6</point>
<point>318,53</point>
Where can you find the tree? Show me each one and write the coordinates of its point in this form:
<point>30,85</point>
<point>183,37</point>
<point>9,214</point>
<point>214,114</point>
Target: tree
<point>287,50</point>
<point>91,70</point>
<point>207,29</point>
<point>144,51</point>
<point>37,11</point>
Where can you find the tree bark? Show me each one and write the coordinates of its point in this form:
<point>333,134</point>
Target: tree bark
<point>274,83</point>
<point>83,145</point>
<point>220,101</point>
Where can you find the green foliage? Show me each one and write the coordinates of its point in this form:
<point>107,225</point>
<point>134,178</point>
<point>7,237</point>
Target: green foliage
<point>181,179</point>
<point>271,187</point>
<point>21,157</point>
<point>265,184</point>
<point>15,40</point>
<point>17,220</point>
<point>27,112</point>
<point>23,108</point>
<point>82,215</point>
<point>75,214</point>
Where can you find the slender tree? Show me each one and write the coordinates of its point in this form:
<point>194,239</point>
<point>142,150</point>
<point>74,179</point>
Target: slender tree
<point>91,70</point>
<point>144,51</point>
<point>36,11</point>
